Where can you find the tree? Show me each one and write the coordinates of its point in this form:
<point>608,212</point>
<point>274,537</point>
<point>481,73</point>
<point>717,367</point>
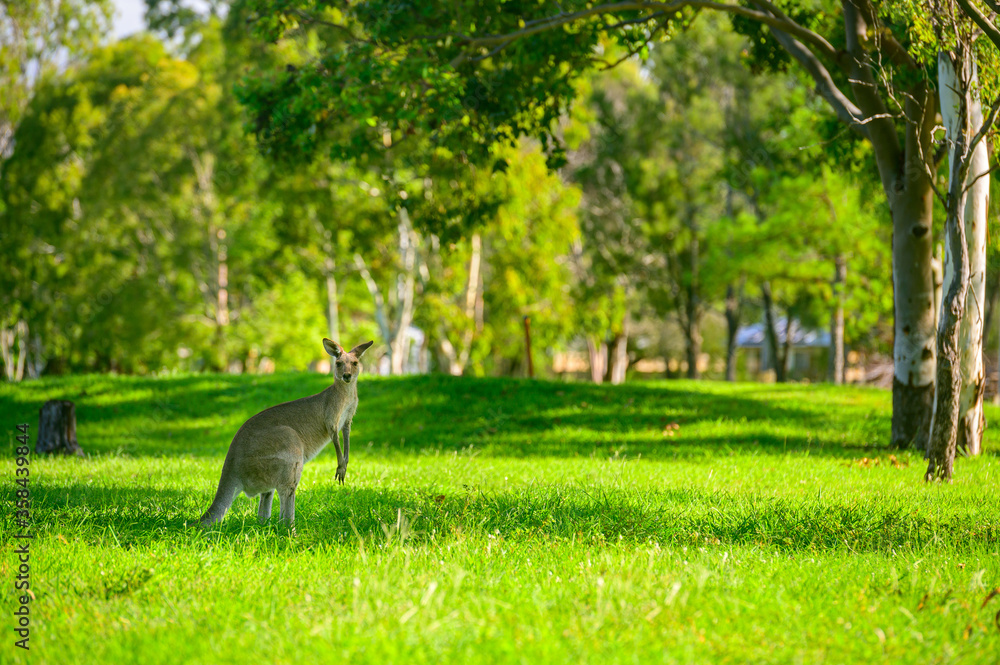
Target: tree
<point>479,73</point>
<point>614,260</point>
<point>824,248</point>
<point>958,400</point>
<point>36,39</point>
<point>686,130</point>
<point>147,238</point>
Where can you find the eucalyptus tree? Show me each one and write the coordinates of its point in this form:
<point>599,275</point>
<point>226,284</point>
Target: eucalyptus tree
<point>964,38</point>
<point>479,73</point>
<point>132,173</point>
<point>614,259</point>
<point>77,263</point>
<point>37,38</point>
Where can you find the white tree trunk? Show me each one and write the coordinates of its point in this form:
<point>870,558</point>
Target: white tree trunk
<point>332,304</point>
<point>394,334</point>
<point>406,284</point>
<point>618,357</point>
<point>970,334</point>
<point>597,351</point>
<point>836,369</point>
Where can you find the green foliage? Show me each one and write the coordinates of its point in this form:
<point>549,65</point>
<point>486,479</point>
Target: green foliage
<point>36,39</point>
<point>139,181</point>
<point>401,67</point>
<point>717,178</point>
<point>140,186</point>
<point>526,267</point>
<point>522,269</point>
<point>819,219</point>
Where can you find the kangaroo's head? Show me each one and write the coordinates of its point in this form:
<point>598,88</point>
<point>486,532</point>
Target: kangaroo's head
<point>347,364</point>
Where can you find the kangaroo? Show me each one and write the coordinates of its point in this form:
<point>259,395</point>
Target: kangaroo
<point>269,450</point>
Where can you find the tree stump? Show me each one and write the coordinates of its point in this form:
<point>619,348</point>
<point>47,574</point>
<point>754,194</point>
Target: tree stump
<point>57,429</point>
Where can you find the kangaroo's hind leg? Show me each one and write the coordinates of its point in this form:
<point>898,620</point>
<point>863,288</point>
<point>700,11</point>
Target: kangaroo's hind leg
<point>286,494</point>
<point>264,507</point>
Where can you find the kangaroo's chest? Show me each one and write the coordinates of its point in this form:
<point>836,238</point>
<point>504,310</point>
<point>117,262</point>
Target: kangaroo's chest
<point>342,417</point>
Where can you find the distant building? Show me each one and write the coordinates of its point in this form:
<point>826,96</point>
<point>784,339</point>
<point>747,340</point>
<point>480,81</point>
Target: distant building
<point>809,350</point>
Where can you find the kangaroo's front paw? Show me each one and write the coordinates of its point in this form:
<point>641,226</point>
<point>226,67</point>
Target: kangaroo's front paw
<point>341,472</point>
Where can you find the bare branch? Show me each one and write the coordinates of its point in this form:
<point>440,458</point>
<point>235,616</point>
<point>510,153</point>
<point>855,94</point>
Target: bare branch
<point>980,19</point>
<point>376,293</point>
<point>309,19</point>
<point>779,21</point>
<point>985,173</point>
<point>842,106</point>
<point>883,134</point>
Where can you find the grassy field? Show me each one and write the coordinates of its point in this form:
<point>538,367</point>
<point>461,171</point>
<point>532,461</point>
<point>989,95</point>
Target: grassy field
<point>507,521</point>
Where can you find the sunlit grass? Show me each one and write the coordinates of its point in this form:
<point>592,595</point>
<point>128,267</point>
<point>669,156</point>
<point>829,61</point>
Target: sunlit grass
<point>511,521</point>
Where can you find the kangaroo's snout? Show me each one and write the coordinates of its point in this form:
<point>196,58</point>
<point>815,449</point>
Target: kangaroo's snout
<point>347,378</point>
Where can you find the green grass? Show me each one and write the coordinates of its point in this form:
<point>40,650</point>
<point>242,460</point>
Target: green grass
<point>508,521</point>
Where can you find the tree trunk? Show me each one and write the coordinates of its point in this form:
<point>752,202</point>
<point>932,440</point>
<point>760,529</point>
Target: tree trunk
<point>618,356</point>
<point>914,346</point>
<point>734,305</point>
<point>787,351</point>
<point>914,350</point>
<point>937,272</point>
<point>770,326</point>
<point>9,338</point>
<point>692,338</point>
<point>996,396</point>
<point>527,347</point>
<point>693,301</point>
<point>332,302</point>
<point>222,298</point>
<point>971,420</point>
<point>406,284</point>
<point>609,345</point>
<point>836,370</point>
<point>447,349</point>
<point>57,429</point>
<point>394,335</point>
<point>36,357</point>
<point>456,359</point>
<point>945,422</point>
<point>7,351</point>
<point>597,350</point>
<point>991,308</point>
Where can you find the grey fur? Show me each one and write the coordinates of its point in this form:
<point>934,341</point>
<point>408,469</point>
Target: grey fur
<point>269,450</point>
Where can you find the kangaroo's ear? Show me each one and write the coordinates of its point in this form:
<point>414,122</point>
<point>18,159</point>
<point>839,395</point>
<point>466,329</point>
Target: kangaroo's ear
<point>360,349</point>
<point>332,347</point>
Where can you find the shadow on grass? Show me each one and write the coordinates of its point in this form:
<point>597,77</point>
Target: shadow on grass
<point>126,517</point>
<point>198,415</point>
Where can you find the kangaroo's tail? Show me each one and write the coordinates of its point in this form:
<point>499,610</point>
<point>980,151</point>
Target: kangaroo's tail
<point>229,487</point>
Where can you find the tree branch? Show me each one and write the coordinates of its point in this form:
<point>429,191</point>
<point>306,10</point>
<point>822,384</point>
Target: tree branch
<point>882,131</point>
<point>825,86</point>
<point>980,19</point>
<point>376,293</point>
<point>772,18</point>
